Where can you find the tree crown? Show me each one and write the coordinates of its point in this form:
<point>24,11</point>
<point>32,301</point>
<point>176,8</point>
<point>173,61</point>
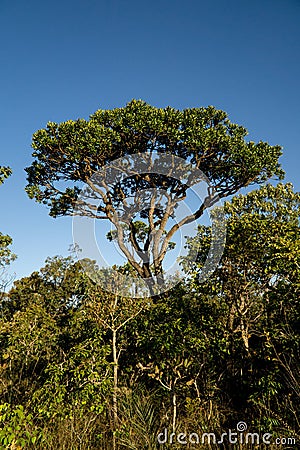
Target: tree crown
<point>69,154</point>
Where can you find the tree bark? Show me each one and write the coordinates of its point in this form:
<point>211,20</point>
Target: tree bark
<point>115,386</point>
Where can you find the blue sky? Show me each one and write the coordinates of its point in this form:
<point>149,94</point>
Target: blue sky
<point>62,60</point>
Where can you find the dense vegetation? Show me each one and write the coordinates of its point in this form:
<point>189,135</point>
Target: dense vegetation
<point>82,368</point>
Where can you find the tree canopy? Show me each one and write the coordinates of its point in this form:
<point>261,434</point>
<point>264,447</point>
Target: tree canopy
<point>69,154</point>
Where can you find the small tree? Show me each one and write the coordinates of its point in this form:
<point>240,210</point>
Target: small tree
<point>69,154</point>
<point>113,313</point>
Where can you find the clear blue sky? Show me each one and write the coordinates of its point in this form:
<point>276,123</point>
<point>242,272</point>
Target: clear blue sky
<point>65,59</point>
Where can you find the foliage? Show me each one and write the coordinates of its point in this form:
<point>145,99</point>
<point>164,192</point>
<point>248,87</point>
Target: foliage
<point>67,155</point>
<point>6,256</point>
<point>52,356</point>
<point>5,172</point>
<point>83,368</point>
<point>16,427</point>
<point>256,292</point>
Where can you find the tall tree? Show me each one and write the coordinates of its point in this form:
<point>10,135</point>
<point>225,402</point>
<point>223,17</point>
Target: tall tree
<point>254,297</point>
<point>68,154</point>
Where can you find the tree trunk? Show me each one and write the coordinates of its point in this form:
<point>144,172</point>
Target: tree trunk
<point>115,387</point>
<point>174,412</point>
